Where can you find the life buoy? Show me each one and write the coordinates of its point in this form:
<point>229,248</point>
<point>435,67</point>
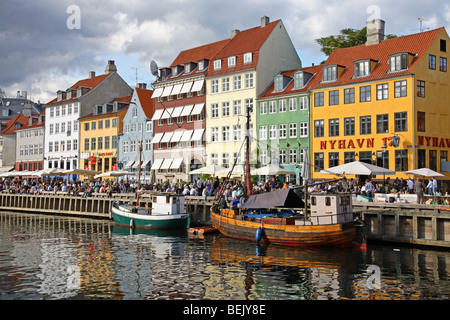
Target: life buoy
<point>259,234</point>
<point>132,224</point>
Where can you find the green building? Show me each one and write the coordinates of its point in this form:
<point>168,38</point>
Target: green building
<point>283,123</point>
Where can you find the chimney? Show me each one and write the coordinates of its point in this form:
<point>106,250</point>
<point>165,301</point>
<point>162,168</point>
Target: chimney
<point>141,85</point>
<point>27,110</point>
<point>110,67</point>
<point>234,32</point>
<point>265,21</point>
<point>375,31</point>
<point>91,74</point>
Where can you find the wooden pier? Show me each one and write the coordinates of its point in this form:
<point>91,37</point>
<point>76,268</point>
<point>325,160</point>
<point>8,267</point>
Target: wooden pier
<point>427,225</point>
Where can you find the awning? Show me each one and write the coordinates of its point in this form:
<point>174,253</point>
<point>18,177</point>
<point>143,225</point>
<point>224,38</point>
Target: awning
<point>285,198</point>
<point>187,110</point>
<point>197,85</point>
<point>197,109</point>
<point>166,164</point>
<point>167,137</point>
<point>176,163</point>
<point>186,135</point>
<point>186,87</point>
<point>167,113</point>
<point>157,115</point>
<point>176,89</point>
<point>177,136</point>
<point>176,112</point>
<point>167,91</point>
<point>129,164</point>
<point>157,163</point>
<point>198,134</point>
<point>157,137</point>
<point>144,163</point>
<point>157,92</point>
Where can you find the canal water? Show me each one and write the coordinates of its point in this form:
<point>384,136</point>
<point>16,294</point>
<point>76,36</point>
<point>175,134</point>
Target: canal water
<point>53,258</point>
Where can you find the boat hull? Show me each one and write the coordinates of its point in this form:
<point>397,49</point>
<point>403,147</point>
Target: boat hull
<point>287,235</point>
<point>150,221</point>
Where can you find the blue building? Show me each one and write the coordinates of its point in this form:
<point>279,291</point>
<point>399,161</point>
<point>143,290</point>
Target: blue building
<point>137,127</point>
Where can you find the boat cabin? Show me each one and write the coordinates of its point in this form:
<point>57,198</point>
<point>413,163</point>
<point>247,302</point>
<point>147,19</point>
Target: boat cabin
<point>331,208</point>
<point>167,204</point>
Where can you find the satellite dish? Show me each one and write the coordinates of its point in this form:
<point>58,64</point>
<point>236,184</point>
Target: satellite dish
<point>154,68</point>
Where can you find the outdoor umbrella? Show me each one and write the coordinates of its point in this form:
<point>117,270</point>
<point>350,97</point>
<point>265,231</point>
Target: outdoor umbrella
<point>211,169</point>
<point>83,172</point>
<point>271,170</point>
<point>116,173</point>
<point>357,168</point>
<point>425,172</point>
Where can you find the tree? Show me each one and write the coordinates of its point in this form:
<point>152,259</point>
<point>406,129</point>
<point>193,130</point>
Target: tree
<point>348,38</point>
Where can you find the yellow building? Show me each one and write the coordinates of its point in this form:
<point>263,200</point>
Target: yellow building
<point>385,102</point>
<point>99,135</point>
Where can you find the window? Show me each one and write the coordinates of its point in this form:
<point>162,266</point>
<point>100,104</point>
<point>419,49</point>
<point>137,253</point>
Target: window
<point>365,94</point>
<point>214,134</point>
<point>421,89</point>
<point>365,156</point>
<point>232,61</point>
<point>107,142</point>
<point>226,133</point>
<point>349,126</point>
<point>292,156</point>
<point>304,102</point>
<point>134,112</point>
<point>249,80</point>
<point>114,142</point>
<point>365,124</point>
<point>215,86</point>
<point>292,130</point>
<point>100,124</point>
<point>319,129</point>
<point>272,132</point>
<point>333,159</point>
<point>318,161</point>
<point>217,64</point>
<point>432,62</point>
<point>225,84</point>
<point>282,129</point>
<point>86,144</point>
<point>298,80</point>
<point>114,123</point>
<point>249,105</point>
<point>349,157</point>
<point>329,73</point>
<point>318,99</point>
<point>433,160</point>
<point>93,125</point>
<point>100,143</point>
<point>263,133</point>
<point>263,156</point>
<point>248,57</point>
<point>272,106</point>
<point>333,127</point>
<point>86,126</point>
<point>214,110</point>
<point>226,160</point>
<point>443,64</point>
<point>237,82</point>
<point>349,95</point>
<point>125,146</point>
<point>293,104</point>
<point>443,45</point>
<point>401,121</point>
<point>236,107</point>
<point>382,91</point>
<point>214,158</point>
<point>282,105</point>
<point>282,156</point>
<point>421,121</point>
<point>263,108</point>
<point>398,62</point>
<point>400,89</point>
<point>383,159</point>
<point>303,129</point>
<point>382,123</point>
<point>278,83</point>
<point>237,135</point>
<point>401,160</point>
<point>361,68</point>
<point>93,143</point>
<point>225,109</point>
<point>421,158</point>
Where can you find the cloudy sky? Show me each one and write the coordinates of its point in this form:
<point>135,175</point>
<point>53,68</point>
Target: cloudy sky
<point>48,45</point>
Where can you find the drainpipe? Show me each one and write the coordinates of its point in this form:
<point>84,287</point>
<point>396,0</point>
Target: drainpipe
<point>414,121</point>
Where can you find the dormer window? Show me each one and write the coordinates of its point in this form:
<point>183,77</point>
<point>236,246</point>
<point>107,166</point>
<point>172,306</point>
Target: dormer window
<point>400,61</point>
<point>232,61</point>
<point>217,64</point>
<point>329,73</point>
<point>187,68</point>
<point>298,80</point>
<point>361,68</point>
<point>278,83</point>
<point>201,65</point>
<point>248,57</point>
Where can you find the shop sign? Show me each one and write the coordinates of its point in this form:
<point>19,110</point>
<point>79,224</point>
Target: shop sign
<point>433,142</point>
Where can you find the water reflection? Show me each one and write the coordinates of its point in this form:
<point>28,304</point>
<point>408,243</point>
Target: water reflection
<point>49,257</point>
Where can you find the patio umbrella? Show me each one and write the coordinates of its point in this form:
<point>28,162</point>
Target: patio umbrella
<point>116,173</point>
<point>425,172</point>
<point>271,170</point>
<point>211,169</point>
<point>83,172</point>
<point>357,168</point>
<point>50,172</point>
<point>238,170</point>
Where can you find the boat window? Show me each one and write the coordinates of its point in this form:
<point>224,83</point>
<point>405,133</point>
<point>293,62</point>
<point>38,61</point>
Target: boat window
<point>154,200</point>
<point>327,201</point>
<point>313,201</point>
<point>167,199</point>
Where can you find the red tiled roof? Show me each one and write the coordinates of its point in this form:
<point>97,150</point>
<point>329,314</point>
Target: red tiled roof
<point>124,99</point>
<point>207,51</point>
<point>145,98</point>
<point>250,40</point>
<point>87,83</point>
<point>415,44</point>
<point>314,70</point>
<point>10,125</point>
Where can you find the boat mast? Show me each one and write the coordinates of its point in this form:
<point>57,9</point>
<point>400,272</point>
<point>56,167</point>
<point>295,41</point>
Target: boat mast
<point>139,173</point>
<point>248,180</point>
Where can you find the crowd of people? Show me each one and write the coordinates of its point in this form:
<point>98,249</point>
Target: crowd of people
<point>212,186</point>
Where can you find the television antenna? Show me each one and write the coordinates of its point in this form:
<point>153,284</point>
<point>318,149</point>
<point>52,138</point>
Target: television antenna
<point>420,24</point>
<point>136,72</point>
